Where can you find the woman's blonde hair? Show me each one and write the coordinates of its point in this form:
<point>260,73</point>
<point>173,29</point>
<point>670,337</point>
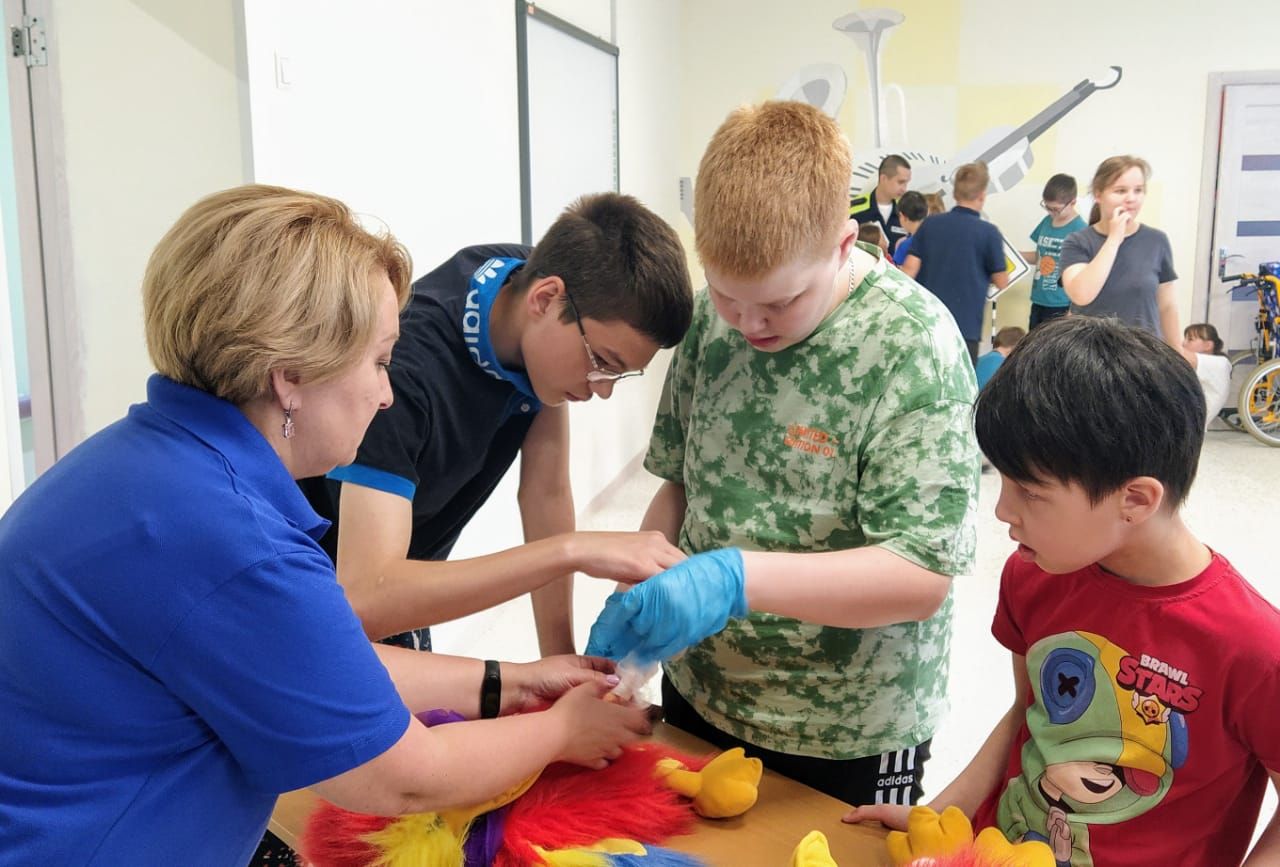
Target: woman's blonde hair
<point>773,186</point>
<point>260,278</point>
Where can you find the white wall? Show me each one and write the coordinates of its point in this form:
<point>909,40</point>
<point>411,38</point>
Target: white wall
<point>151,114</point>
<point>406,111</point>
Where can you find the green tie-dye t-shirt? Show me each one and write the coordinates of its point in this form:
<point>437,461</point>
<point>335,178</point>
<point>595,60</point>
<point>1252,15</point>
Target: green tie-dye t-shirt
<point>859,435</point>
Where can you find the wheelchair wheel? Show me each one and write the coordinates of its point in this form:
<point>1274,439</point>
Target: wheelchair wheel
<point>1259,403</point>
<point>1245,358</point>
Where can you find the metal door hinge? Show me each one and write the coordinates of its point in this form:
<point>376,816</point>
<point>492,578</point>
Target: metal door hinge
<point>29,41</point>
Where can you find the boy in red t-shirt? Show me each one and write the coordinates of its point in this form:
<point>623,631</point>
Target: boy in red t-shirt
<point>1147,671</point>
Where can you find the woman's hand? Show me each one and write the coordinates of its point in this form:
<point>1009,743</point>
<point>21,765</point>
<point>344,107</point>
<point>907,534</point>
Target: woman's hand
<point>625,557</point>
<point>531,686</point>
<point>594,730</point>
<point>1120,220</point>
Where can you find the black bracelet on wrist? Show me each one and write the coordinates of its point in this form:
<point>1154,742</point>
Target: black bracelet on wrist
<point>491,690</point>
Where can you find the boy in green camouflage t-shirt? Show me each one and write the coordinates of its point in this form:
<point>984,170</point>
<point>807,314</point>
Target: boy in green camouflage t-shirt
<point>815,438</point>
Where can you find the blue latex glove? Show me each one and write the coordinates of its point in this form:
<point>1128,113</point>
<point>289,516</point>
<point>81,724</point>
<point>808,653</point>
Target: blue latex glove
<point>658,618</point>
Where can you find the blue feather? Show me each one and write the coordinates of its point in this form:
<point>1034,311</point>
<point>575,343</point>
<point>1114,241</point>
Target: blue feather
<point>657,857</point>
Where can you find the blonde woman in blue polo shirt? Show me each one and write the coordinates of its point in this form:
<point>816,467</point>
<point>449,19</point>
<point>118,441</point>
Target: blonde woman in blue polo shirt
<point>175,649</point>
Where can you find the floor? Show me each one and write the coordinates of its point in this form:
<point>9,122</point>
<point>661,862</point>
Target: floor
<point>1232,508</point>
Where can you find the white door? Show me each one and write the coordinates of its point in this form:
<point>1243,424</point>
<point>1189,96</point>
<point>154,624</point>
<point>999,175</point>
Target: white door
<point>26,437</point>
<point>12,453</point>
<point>1247,217</point>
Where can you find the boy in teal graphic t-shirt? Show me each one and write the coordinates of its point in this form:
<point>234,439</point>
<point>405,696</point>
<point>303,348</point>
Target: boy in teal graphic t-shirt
<point>1048,299</point>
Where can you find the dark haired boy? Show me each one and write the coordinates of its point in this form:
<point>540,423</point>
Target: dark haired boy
<point>1146,670</point>
<point>1048,300</point>
<point>913,207</point>
<point>493,344</point>
<point>881,204</point>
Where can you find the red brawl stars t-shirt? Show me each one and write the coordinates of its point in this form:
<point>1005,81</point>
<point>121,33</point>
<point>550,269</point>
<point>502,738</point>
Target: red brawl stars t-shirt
<point>1153,717</point>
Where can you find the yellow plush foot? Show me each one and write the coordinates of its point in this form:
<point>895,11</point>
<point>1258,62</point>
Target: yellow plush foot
<point>727,786</point>
<point>678,778</point>
<point>992,845</point>
<point>730,785</point>
<point>930,834</point>
<point>812,852</point>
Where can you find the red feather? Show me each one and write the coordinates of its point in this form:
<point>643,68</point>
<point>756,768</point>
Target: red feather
<point>333,837</point>
<point>568,807</point>
<point>572,806</point>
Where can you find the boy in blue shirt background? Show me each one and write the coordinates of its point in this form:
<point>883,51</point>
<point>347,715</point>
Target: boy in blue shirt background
<point>1001,345</point>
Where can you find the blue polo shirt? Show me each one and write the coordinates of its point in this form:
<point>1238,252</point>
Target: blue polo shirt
<point>175,649</point>
<point>901,251</point>
<point>459,417</point>
<point>958,253</point>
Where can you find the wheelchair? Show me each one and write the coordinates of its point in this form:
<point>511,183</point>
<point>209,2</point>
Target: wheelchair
<point>1259,400</point>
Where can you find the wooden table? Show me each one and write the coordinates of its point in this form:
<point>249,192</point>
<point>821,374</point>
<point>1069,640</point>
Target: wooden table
<point>764,836</point>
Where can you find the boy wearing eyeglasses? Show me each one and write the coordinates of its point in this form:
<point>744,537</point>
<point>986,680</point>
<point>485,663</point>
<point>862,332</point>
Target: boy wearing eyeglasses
<point>493,344</point>
<point>1048,300</point>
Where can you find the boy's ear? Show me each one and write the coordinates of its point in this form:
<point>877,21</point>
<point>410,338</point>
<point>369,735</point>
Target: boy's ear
<point>1141,497</point>
<point>543,295</point>
<point>848,237</point>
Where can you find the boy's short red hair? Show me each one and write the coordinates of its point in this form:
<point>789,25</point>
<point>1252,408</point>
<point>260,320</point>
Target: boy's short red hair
<point>773,186</point>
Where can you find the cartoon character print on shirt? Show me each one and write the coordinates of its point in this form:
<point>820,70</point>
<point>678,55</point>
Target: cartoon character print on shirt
<point>1108,731</point>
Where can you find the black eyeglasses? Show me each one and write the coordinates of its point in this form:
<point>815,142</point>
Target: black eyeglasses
<point>1055,208</point>
<point>598,372</point>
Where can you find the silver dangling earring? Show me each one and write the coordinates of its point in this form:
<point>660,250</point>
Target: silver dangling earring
<point>287,427</point>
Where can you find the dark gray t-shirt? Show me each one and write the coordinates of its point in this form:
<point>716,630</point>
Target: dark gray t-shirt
<point>1144,261</point>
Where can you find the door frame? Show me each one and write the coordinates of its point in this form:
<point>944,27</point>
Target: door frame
<point>1206,266</point>
<point>54,344</point>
